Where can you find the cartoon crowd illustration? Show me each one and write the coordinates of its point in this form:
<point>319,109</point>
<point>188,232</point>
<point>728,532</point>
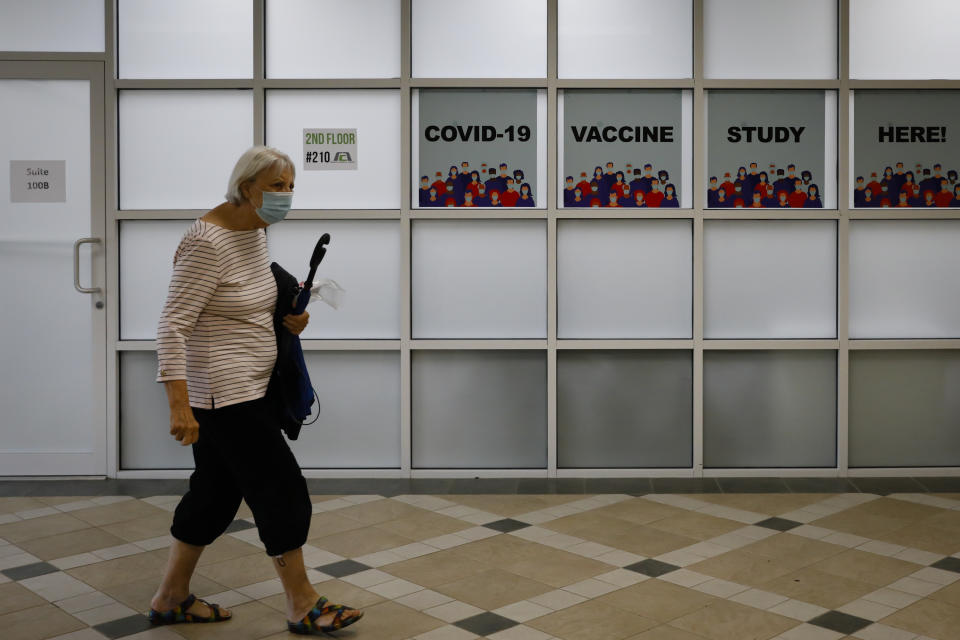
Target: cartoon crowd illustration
<point>922,187</point>
<point>609,187</point>
<point>774,188</point>
<point>483,187</point>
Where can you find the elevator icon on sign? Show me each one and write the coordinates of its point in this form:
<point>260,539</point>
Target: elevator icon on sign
<point>342,156</point>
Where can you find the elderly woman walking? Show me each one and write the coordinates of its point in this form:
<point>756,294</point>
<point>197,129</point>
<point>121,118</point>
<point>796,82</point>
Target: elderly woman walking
<point>216,349</point>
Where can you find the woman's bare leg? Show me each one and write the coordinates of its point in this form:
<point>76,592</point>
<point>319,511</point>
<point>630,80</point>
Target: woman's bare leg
<point>175,586</point>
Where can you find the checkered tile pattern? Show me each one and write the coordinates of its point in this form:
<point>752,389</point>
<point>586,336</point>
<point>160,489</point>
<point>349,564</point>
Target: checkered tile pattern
<point>694,566</point>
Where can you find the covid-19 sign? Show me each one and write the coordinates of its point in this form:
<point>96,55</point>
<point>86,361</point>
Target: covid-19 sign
<point>477,148</point>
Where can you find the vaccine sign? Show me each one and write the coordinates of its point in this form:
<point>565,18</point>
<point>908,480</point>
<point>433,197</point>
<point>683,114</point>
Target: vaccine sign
<point>330,149</point>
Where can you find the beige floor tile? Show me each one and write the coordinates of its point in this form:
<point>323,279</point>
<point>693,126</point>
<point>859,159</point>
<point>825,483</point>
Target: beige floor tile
<point>118,512</point>
<point>138,593</point>
<point>555,567</point>
<point>819,588</point>
<point>37,623</point>
<point>12,505</point>
<point>593,620</point>
<point>71,543</point>
<point>743,568</point>
<point>695,525</point>
<point>866,567</point>
<point>948,595</point>
<point>949,520</point>
<point>589,521</point>
<point>724,620</point>
<point>13,597</point>
<point>141,528</point>
<point>639,511</point>
<point>239,572</point>
<point>251,621</point>
<point>499,551</point>
<point>793,551</point>
<point>493,589</point>
<point>927,538</point>
<point>640,539</point>
<point>372,513</point>
<point>435,569</point>
<point>227,548</point>
<point>657,600</point>
<point>391,621</point>
<point>327,524</point>
<point>666,632</point>
<point>508,506</point>
<point>359,542</point>
<point>860,524</point>
<point>43,527</point>
<point>929,618</point>
<point>424,525</point>
<point>122,570</point>
<point>772,504</point>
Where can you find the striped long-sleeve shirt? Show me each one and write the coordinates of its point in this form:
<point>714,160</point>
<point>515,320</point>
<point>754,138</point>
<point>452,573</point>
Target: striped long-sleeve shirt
<point>216,329</point>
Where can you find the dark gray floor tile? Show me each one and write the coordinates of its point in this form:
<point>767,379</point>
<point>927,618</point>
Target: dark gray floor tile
<point>129,626</point>
<point>886,486</point>
<point>342,568</point>
<point>779,524</point>
<point>948,564</point>
<point>29,570</point>
<point>485,624</point>
<point>840,622</point>
<point>432,486</point>
<point>240,525</point>
<point>632,486</point>
<point>499,486</point>
<point>652,568</point>
<point>820,485</point>
<point>506,525</point>
<point>940,485</point>
<point>685,485</point>
<point>753,485</point>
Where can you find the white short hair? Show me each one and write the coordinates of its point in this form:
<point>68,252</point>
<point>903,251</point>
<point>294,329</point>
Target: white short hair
<point>248,167</point>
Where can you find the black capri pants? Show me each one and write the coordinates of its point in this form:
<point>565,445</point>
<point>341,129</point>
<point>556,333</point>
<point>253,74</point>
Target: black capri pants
<point>242,455</point>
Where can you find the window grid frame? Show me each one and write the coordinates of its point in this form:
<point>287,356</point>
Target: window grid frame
<point>843,215</point>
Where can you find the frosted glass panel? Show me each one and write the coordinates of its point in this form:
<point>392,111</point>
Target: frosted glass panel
<point>479,409</point>
<point>185,39</point>
<point>177,148</point>
<point>920,46</point>
<point>480,279</point>
<point>769,409</point>
<point>770,38</point>
<point>374,113</point>
<point>904,279</point>
<point>497,39</point>
<point>625,278</point>
<point>145,440</point>
<point>770,279</point>
<point>362,35</point>
<point>624,409</point>
<point>52,25</point>
<point>904,408</point>
<point>358,426</point>
<point>618,39</point>
<point>363,257</point>
<point>146,262</point>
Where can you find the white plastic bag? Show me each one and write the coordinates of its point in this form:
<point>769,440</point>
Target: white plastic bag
<point>329,292</point>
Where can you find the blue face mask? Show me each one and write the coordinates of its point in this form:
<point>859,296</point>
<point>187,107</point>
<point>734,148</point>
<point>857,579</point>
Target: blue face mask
<point>276,205</point>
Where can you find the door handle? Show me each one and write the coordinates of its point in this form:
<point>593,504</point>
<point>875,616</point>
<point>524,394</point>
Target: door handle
<point>76,265</point>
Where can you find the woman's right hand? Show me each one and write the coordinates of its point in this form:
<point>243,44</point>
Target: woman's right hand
<point>183,426</point>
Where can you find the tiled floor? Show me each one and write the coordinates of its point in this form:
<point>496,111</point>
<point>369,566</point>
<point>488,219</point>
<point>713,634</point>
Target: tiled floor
<point>688,560</point>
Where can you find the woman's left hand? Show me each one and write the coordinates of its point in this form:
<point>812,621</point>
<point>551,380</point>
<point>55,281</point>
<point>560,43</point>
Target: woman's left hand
<point>295,324</point>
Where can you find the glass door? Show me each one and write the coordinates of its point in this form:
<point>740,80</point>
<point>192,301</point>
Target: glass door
<point>52,276</point>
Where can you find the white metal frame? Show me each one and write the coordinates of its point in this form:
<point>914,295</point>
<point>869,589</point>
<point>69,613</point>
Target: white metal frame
<point>698,85</point>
